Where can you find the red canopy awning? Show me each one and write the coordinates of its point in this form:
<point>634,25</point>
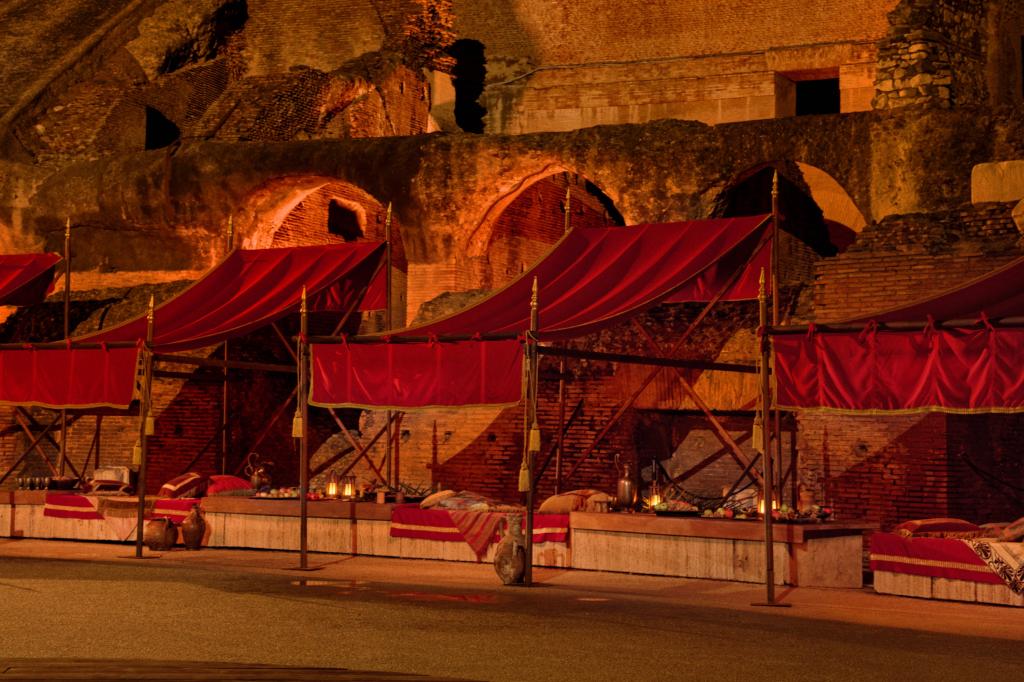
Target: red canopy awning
<point>592,278</point>
<point>247,290</point>
<point>251,289</point>
<point>595,277</point>
<point>933,368</point>
<point>26,278</point>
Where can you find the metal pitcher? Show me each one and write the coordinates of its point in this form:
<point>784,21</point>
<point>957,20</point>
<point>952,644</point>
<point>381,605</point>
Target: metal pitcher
<point>625,488</point>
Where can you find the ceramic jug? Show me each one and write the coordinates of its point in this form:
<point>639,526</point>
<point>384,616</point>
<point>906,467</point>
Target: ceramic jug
<point>193,528</point>
<point>510,556</point>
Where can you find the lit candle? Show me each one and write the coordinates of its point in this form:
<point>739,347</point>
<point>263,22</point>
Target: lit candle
<point>332,489</point>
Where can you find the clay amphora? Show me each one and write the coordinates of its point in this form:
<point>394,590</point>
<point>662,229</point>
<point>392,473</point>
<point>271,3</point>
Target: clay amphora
<point>193,528</point>
<point>160,535</point>
<point>510,556</point>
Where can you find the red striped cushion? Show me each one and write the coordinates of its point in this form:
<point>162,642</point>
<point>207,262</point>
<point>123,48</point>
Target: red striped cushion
<point>929,527</point>
<point>186,485</point>
<point>222,484</point>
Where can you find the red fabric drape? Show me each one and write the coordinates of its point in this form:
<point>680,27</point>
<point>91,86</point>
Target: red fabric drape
<point>410,375</point>
<point>956,370</point>
<point>596,277</point>
<point>946,370</point>
<point>26,278</point>
<point>82,377</point>
<point>251,289</point>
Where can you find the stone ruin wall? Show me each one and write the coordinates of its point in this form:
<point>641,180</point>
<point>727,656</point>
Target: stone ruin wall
<point>709,61</point>
<point>905,175</point>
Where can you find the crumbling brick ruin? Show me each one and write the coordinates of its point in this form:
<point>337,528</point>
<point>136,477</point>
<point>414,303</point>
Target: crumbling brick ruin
<point>895,126</point>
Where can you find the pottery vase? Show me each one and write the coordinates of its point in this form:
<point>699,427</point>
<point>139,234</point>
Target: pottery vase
<point>193,528</point>
<point>510,556</point>
<point>160,535</point>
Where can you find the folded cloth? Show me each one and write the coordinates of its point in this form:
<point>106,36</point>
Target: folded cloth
<point>71,506</point>
<point>478,529</point>
<point>1006,559</point>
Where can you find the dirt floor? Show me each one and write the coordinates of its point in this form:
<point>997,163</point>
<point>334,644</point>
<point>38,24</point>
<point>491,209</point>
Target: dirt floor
<point>70,600</point>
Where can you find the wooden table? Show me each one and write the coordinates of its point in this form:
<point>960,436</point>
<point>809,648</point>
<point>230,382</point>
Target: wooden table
<point>819,554</point>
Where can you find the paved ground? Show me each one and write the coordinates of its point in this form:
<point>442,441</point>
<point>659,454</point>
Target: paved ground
<point>85,600</point>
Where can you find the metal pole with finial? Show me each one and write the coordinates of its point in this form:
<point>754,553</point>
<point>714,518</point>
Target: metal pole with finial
<point>303,433</point>
<point>67,334</point>
<point>392,477</point>
<point>532,444</point>
<point>146,425</point>
<point>776,415</point>
<point>560,445</point>
<point>225,434</point>
<point>764,403</point>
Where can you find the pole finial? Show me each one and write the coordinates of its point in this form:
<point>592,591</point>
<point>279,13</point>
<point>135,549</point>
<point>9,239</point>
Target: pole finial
<point>231,232</point>
<point>152,306</point>
<point>533,294</point>
<point>67,227</point>
<point>760,285</point>
<point>302,306</point>
<point>775,184</point>
<point>568,207</point>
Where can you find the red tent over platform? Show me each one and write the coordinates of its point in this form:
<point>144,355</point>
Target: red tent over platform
<point>245,291</point>
<point>593,278</point>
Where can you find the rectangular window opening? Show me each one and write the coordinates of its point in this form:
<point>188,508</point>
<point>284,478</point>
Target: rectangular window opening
<point>817,97</point>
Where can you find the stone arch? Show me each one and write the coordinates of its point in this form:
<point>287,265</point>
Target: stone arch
<point>816,209</point>
<point>521,226</point>
<point>293,211</point>
<point>835,202</point>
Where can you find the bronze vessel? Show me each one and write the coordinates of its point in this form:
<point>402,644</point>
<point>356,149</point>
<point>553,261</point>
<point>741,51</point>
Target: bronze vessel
<point>160,535</point>
<point>193,528</point>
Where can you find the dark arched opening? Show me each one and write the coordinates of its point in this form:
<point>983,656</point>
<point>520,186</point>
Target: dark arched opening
<point>468,76</point>
<point>160,131</point>
<point>343,222</point>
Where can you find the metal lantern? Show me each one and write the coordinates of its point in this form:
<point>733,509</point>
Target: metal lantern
<point>348,487</point>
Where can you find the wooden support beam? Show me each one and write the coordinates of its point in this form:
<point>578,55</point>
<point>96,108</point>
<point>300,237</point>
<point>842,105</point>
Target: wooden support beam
<point>233,364</point>
<point>31,446</point>
<point>647,360</point>
<point>716,425</point>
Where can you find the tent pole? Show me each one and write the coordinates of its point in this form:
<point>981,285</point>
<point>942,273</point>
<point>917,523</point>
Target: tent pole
<point>560,447</point>
<point>225,439</point>
<point>765,445</point>
<point>144,427</point>
<point>777,416</point>
<point>532,443</point>
<point>67,334</point>
<point>303,434</point>
<point>392,481</point>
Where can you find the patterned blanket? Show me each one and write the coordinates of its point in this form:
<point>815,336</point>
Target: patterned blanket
<point>476,528</point>
<point>119,512</point>
<point>1006,559</point>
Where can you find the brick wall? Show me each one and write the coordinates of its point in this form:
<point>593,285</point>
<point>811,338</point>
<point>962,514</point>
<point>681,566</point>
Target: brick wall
<point>894,468</point>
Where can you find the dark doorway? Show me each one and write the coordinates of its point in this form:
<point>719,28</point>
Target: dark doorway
<point>817,97</point>
<point>160,130</point>
<point>343,222</point>
<point>468,80</point>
